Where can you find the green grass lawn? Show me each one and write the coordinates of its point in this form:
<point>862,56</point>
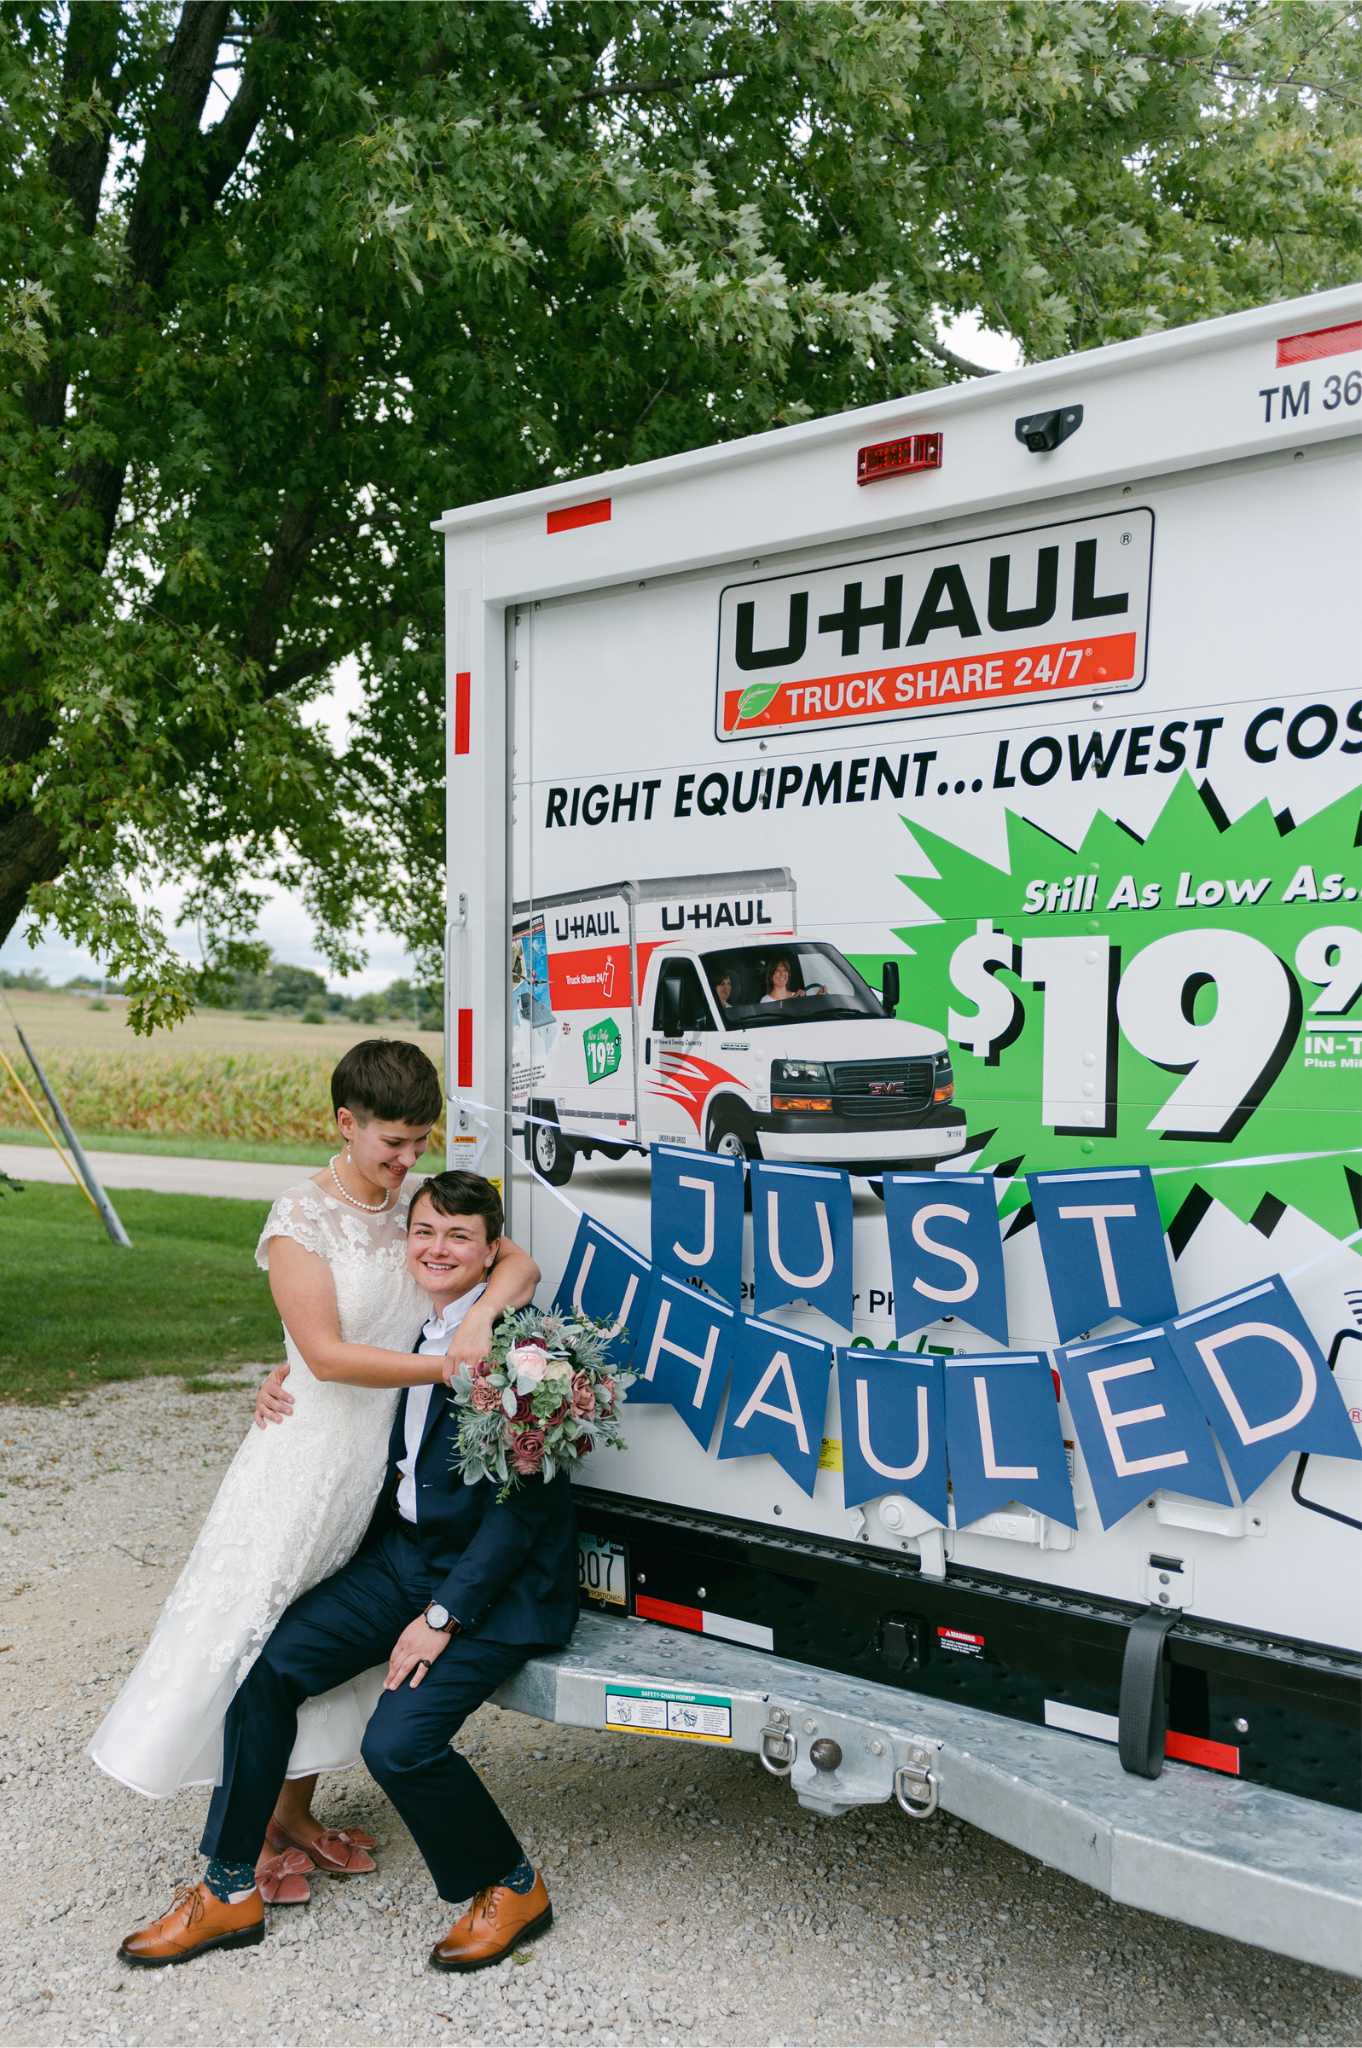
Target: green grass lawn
<point>199,1148</point>
<point>76,1310</point>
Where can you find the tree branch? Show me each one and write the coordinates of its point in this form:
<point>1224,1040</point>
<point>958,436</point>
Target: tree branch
<point>947,356</point>
<point>172,153</point>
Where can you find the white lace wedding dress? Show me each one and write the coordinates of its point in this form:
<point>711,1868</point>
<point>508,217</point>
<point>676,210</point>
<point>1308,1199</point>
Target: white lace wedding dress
<point>292,1508</point>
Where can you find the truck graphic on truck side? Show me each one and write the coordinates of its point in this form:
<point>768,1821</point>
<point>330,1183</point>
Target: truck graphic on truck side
<point>690,1009</point>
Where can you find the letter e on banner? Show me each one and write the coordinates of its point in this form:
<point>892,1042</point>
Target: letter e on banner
<point>697,1207</point>
<point>777,1399</point>
<point>893,1412</point>
<point>1138,1423</point>
<point>946,1251</point>
<point>1102,1241</point>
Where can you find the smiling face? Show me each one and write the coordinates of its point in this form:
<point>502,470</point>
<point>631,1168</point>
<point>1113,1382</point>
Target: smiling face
<point>723,989</point>
<point>446,1255</point>
<point>780,977</point>
<point>382,1153</point>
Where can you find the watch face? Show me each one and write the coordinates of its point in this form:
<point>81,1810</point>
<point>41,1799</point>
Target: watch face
<point>437,1616</point>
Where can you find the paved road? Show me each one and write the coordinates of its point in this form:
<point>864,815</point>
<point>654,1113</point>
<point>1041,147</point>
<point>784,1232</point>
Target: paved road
<point>245,1178</point>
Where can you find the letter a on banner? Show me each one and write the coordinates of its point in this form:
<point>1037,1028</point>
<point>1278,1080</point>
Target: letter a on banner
<point>1101,1238</point>
<point>1263,1381</point>
<point>946,1251</point>
<point>1139,1425</point>
<point>606,1278</point>
<point>801,1239</point>
<point>697,1218</point>
<point>1003,1439</point>
<point>893,1428</point>
<point>685,1343</point>
<point>777,1400</point>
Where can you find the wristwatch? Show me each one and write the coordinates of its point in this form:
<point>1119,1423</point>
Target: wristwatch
<point>438,1617</point>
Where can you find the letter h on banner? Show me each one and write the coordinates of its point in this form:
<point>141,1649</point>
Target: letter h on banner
<point>682,1356</point>
<point>778,1399</point>
<point>1003,1439</point>
<point>697,1218</point>
<point>893,1428</point>
<point>801,1239</point>
<point>1138,1422</point>
<point>946,1251</point>
<point>605,1278</point>
<point>1263,1381</point>
<point>1101,1238</point>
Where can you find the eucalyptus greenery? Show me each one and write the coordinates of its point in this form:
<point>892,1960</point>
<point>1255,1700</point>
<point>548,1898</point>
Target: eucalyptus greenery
<point>282,281</point>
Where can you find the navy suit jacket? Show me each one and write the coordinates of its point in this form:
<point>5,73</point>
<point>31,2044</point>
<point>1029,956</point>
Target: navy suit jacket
<point>508,1570</point>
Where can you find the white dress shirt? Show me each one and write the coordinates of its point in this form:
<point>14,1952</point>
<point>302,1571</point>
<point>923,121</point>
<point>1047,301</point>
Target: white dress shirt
<point>435,1341</point>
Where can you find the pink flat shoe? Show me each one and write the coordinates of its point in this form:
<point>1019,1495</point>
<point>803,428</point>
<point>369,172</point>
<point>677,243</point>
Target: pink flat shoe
<point>282,1879</point>
<point>337,1851</point>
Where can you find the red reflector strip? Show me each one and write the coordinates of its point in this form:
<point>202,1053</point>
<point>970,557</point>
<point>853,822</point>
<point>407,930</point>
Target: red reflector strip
<point>1321,341</point>
<point>463,696</point>
<point>595,513</point>
<point>903,457</point>
<point>463,1070</point>
<point>649,1609</point>
<point>1197,1749</point>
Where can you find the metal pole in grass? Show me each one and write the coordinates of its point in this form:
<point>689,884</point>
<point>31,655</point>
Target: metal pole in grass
<point>99,1200</point>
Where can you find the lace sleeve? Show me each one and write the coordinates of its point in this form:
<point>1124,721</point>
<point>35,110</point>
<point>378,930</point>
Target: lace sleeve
<point>299,1215</point>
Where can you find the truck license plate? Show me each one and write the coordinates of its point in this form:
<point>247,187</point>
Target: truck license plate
<point>603,1572</point>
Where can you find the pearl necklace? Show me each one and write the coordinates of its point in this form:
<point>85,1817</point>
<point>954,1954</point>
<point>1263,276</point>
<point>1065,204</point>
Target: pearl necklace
<point>370,1208</point>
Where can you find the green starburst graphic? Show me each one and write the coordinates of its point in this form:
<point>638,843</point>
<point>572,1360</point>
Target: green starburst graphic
<point>1202,1009</point>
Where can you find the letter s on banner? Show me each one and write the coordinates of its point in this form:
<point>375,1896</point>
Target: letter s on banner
<point>1138,1423</point>
<point>607,1279</point>
<point>777,1400</point>
<point>685,1342</point>
<point>1102,1241</point>
<point>1263,1382</point>
<point>945,1251</point>
<point>697,1212</point>
<point>1003,1439</point>
<point>893,1428</point>
<point>801,1239</point>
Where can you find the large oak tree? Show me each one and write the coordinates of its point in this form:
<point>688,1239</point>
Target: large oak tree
<point>283,281</point>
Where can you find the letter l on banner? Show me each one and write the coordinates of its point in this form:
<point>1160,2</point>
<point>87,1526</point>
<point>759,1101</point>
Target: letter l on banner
<point>1003,1439</point>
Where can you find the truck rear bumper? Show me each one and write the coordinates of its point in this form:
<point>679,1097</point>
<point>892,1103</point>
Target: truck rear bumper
<point>1234,1858</point>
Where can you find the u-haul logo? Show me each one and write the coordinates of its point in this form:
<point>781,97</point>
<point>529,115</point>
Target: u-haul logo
<point>1054,611</point>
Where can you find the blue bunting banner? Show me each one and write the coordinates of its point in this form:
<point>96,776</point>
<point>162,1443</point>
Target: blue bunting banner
<point>1139,1423</point>
<point>1003,1439</point>
<point>697,1218</point>
<point>801,1239</point>
<point>1102,1241</point>
<point>893,1428</point>
<point>685,1344</point>
<point>946,1251</point>
<point>606,1278</point>
<point>777,1399</point>
<point>1262,1381</point>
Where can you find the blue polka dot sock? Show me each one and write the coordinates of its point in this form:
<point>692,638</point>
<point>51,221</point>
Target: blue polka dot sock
<point>521,1879</point>
<point>229,1881</point>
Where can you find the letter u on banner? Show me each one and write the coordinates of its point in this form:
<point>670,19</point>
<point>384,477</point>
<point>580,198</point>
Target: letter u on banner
<point>685,1344</point>
<point>1101,1238</point>
<point>697,1218</point>
<point>893,1428</point>
<point>606,1278</point>
<point>1138,1423</point>
<point>778,1399</point>
<point>1263,1382</point>
<point>1003,1439</point>
<point>946,1251</point>
<point>801,1239</point>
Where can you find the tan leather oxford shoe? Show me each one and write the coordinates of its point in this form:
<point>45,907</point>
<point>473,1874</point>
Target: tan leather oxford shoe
<point>198,1920</point>
<point>496,1923</point>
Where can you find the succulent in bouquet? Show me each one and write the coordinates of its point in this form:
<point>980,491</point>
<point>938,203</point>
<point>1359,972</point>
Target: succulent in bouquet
<point>545,1396</point>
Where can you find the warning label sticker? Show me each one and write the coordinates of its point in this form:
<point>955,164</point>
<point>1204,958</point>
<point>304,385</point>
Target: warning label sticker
<point>654,1710</point>
<point>961,1641</point>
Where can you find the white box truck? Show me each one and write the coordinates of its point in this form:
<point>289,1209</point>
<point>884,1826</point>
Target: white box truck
<point>1045,688</point>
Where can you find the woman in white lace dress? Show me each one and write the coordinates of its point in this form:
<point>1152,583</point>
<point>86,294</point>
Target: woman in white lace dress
<point>297,1498</point>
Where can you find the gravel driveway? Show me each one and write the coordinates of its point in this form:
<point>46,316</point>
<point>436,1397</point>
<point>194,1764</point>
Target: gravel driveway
<point>695,1901</point>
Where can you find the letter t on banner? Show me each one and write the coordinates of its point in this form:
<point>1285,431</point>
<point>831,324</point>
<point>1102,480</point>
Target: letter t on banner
<point>946,1251</point>
<point>605,1278</point>
<point>1138,1423</point>
<point>682,1356</point>
<point>801,1239</point>
<point>1102,1241</point>
<point>778,1399</point>
<point>697,1218</point>
<point>1263,1381</point>
<point>893,1428</point>
<point>1003,1437</point>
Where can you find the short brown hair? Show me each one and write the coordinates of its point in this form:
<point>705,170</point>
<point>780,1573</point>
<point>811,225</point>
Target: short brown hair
<point>456,1193</point>
<point>388,1078</point>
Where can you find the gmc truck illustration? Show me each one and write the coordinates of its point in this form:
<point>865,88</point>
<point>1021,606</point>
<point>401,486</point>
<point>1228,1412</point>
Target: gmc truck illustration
<point>689,1009</point>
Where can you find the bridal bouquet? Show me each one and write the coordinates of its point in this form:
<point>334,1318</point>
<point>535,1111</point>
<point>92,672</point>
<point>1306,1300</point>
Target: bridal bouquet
<point>544,1397</point>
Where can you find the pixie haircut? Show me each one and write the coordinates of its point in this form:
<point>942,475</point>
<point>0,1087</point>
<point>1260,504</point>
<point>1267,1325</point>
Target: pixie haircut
<point>455,1193</point>
<point>388,1078</point>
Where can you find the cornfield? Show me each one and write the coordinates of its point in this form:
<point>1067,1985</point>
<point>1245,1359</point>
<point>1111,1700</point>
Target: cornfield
<point>187,1095</point>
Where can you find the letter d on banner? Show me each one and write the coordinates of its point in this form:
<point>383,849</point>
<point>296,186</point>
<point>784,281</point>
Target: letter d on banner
<point>607,1279</point>
<point>1101,1238</point>
<point>893,1428</point>
<point>801,1239</point>
<point>697,1218</point>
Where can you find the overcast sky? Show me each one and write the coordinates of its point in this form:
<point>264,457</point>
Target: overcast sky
<point>285,925</point>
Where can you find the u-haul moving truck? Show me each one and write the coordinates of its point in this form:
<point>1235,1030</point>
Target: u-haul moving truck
<point>1045,689</point>
<point>687,1008</point>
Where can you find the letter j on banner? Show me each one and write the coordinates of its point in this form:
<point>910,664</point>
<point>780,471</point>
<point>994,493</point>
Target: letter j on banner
<point>801,1239</point>
<point>607,1279</point>
<point>1101,1238</point>
<point>685,1343</point>
<point>1263,1382</point>
<point>697,1218</point>
<point>893,1428</point>
<point>1003,1437</point>
<point>946,1251</point>
<point>777,1400</point>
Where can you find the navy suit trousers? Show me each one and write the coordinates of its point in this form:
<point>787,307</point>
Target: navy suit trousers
<point>344,1626</point>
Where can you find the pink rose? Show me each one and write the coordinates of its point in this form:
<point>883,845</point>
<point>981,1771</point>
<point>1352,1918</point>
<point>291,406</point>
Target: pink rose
<point>605,1397</point>
<point>527,1453</point>
<point>583,1396</point>
<point>482,1369</point>
<point>583,1446</point>
<point>537,1343</point>
<point>484,1397</point>
<point>524,1407</point>
<point>560,1414</point>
